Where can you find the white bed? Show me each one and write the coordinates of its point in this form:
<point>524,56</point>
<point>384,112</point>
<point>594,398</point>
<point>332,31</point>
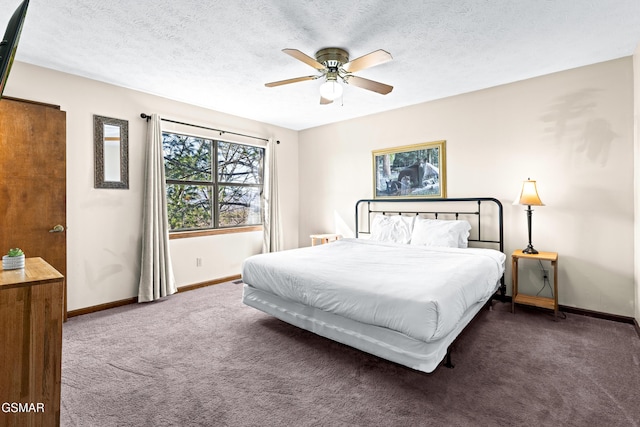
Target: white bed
<point>403,302</point>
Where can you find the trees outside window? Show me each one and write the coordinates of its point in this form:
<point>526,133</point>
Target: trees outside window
<point>212,183</point>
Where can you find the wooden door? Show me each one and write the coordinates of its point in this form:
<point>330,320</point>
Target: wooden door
<point>33,181</point>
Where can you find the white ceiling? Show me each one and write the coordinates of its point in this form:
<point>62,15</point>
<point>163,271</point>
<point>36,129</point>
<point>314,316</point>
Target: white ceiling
<point>218,54</point>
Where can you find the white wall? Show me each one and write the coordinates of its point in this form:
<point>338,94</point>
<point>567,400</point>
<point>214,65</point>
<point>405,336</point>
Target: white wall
<point>636,179</point>
<point>103,226</point>
<point>571,131</point>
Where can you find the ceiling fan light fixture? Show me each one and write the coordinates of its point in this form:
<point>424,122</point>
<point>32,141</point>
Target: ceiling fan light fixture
<point>334,65</point>
<point>331,90</point>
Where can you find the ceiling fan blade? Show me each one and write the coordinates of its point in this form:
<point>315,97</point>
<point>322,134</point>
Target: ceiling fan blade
<point>304,58</point>
<point>369,60</point>
<point>325,101</point>
<point>369,84</point>
<point>286,82</point>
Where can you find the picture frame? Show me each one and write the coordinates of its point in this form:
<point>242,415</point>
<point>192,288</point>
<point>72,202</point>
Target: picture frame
<point>417,170</point>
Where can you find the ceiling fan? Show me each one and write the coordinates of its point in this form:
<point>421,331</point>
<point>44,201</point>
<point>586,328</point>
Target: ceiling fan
<point>334,65</point>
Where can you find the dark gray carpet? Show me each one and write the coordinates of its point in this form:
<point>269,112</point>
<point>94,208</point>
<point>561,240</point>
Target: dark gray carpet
<point>202,358</point>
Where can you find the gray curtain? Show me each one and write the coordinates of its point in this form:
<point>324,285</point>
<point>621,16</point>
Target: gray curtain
<point>272,239</point>
<point>156,275</point>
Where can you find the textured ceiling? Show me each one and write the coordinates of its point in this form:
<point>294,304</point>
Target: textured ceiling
<point>219,54</point>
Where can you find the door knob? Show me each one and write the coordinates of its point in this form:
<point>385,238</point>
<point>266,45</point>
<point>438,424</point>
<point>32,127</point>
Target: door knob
<point>57,229</point>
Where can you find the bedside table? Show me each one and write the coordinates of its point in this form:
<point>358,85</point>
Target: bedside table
<point>537,301</point>
<point>324,238</point>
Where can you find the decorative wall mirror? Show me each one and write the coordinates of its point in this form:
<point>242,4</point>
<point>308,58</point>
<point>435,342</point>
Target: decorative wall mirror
<point>111,148</point>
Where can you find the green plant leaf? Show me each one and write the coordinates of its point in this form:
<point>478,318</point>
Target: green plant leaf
<point>15,252</point>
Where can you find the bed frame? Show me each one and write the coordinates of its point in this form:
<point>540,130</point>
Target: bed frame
<point>485,216</point>
<point>469,208</point>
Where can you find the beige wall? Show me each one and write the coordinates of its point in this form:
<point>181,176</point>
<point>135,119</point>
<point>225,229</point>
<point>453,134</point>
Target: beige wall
<point>571,131</point>
<point>104,226</point>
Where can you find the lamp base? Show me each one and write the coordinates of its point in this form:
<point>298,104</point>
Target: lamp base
<point>529,250</point>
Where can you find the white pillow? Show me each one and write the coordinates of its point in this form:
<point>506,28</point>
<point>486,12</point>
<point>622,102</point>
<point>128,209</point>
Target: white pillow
<point>437,232</point>
<point>392,228</point>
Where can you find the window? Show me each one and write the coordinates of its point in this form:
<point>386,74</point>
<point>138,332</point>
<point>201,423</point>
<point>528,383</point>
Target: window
<point>211,183</point>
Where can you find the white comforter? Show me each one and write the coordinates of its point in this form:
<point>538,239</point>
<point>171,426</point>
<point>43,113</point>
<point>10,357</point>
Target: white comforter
<point>418,291</point>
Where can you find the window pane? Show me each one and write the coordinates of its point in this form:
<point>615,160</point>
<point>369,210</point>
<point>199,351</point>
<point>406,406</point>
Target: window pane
<point>238,163</point>
<point>186,158</point>
<point>239,206</point>
<point>189,206</point>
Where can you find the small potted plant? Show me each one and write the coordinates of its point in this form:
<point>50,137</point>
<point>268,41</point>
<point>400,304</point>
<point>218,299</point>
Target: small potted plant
<point>14,259</point>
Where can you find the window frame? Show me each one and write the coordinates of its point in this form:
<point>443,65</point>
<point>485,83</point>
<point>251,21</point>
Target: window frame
<point>214,185</point>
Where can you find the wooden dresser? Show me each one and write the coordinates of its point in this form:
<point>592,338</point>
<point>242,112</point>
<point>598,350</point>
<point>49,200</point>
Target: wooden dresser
<point>31,316</point>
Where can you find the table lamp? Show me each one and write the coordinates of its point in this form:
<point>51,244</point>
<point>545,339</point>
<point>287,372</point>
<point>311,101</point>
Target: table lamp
<point>529,196</point>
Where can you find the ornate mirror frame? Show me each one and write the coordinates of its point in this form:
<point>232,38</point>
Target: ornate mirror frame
<point>111,151</point>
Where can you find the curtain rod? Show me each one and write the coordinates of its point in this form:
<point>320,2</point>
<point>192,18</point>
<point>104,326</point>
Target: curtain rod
<point>148,117</point>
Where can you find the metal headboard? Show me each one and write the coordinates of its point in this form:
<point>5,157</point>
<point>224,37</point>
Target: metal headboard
<point>388,207</point>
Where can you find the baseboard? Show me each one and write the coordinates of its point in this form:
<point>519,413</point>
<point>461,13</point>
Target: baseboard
<point>598,314</point>
<point>127,301</point>
<point>590,313</point>
<point>100,307</point>
<point>186,288</point>
<point>635,323</point>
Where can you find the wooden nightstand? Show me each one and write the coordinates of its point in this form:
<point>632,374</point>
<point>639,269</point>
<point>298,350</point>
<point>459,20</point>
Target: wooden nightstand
<point>537,301</point>
<point>324,238</point>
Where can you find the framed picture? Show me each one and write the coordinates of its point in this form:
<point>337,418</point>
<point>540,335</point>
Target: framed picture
<point>411,171</point>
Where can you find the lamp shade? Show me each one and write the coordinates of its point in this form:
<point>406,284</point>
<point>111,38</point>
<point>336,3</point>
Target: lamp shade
<point>331,90</point>
<point>529,194</point>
